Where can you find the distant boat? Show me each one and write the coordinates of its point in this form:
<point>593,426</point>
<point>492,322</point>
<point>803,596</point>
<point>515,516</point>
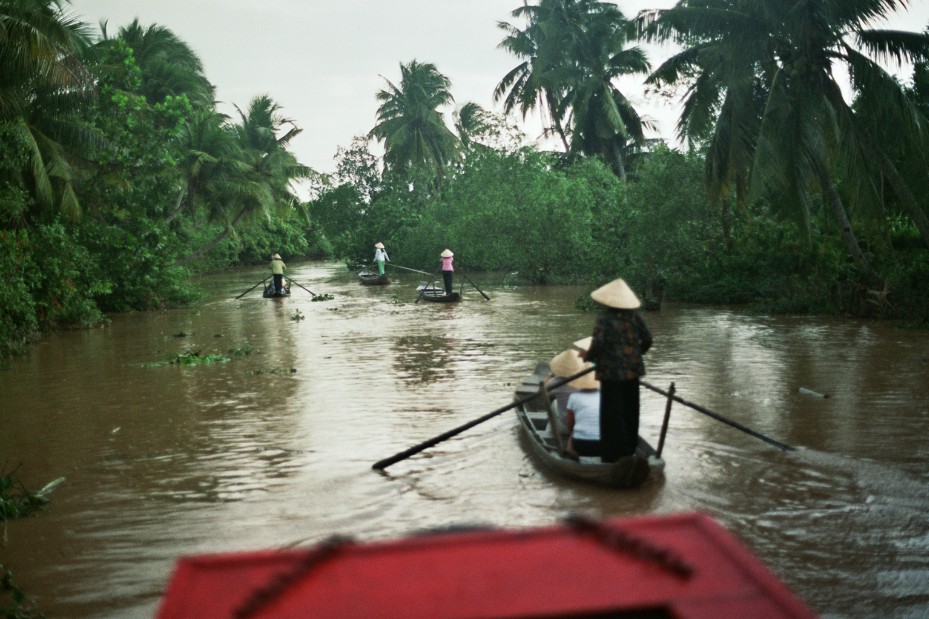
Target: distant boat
<point>437,295</point>
<point>368,278</point>
<point>536,421</point>
<point>681,565</point>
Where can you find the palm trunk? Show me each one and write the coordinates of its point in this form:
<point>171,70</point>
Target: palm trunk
<point>917,215</point>
<point>178,207</point>
<point>211,245</point>
<point>831,193</point>
<point>552,105</point>
<point>618,165</point>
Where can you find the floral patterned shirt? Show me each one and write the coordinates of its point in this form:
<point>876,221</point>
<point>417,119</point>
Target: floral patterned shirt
<point>620,339</point>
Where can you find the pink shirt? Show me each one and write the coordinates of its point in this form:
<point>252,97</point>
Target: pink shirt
<point>447,263</point>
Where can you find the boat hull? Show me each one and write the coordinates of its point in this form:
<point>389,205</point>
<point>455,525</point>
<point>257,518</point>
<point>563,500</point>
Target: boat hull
<point>686,566</point>
<point>534,420</point>
<point>270,293</point>
<point>437,295</point>
<point>373,279</point>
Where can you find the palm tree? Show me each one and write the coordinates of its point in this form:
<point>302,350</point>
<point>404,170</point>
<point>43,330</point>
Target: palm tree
<point>42,84</point>
<point>169,65</point>
<point>761,84</point>
<point>527,86</point>
<point>260,179</point>
<point>210,151</point>
<point>410,124</point>
<point>471,121</point>
<point>572,51</point>
<point>604,122</point>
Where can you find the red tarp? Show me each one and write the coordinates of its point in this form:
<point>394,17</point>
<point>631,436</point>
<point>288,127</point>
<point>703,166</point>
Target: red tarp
<point>682,566</point>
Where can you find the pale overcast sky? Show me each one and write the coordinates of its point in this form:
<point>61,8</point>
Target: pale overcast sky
<point>322,60</point>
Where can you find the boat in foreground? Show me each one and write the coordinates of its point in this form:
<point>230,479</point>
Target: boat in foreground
<point>368,278</point>
<point>685,566</point>
<point>536,420</point>
<point>437,295</point>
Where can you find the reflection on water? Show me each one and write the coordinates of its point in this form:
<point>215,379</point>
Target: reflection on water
<point>422,358</point>
<point>275,448</point>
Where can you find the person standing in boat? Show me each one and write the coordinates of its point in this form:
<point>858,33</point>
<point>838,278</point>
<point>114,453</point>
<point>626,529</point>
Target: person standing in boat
<point>619,340</point>
<point>584,417</point>
<point>447,270</point>
<point>380,257</point>
<point>277,271</point>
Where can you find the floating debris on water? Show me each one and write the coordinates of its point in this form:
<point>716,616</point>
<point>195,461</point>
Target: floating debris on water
<point>813,394</point>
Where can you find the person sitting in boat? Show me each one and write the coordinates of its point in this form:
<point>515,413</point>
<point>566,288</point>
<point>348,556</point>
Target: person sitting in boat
<point>565,363</point>
<point>584,417</point>
<point>619,340</point>
<point>277,270</point>
<point>380,256</point>
<point>447,270</point>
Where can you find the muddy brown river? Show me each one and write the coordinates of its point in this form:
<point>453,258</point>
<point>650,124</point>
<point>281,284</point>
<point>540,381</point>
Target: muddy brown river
<point>274,448</point>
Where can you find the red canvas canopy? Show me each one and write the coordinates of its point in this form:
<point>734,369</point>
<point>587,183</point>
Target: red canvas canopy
<point>683,566</point>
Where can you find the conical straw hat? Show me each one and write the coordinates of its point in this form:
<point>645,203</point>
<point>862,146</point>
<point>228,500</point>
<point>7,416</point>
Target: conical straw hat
<point>569,362</point>
<point>447,253</point>
<point>379,245</point>
<point>276,257</point>
<point>584,344</point>
<point>616,294</point>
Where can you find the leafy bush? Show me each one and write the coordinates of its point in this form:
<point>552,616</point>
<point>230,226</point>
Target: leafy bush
<point>18,322</point>
<point>137,270</point>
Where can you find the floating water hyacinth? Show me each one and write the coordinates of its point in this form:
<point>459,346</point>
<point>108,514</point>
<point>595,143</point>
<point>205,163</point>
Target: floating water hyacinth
<point>195,357</point>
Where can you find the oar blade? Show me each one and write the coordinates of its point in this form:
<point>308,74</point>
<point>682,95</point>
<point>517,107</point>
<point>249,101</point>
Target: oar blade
<point>253,287</point>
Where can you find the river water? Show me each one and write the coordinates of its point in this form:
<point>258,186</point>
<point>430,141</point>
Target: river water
<point>274,448</point>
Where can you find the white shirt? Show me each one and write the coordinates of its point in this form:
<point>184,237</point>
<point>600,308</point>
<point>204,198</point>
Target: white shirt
<point>380,255</point>
<point>586,407</point>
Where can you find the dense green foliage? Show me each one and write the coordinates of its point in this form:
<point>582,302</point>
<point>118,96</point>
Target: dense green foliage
<point>119,178</point>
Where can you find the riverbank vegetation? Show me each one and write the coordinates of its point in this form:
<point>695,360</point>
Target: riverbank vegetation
<point>18,502</point>
<point>119,178</point>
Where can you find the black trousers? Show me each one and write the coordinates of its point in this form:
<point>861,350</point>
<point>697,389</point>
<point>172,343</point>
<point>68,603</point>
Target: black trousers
<point>447,277</point>
<point>586,448</point>
<point>619,418</point>
<point>278,283</point>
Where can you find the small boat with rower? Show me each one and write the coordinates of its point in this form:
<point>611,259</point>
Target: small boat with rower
<point>537,423</point>
<point>435,294</point>
<point>368,278</point>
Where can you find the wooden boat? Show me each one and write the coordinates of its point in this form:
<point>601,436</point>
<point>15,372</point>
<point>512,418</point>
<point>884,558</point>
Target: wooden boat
<point>368,278</point>
<point>536,418</point>
<point>437,295</point>
<point>685,566</point>
<point>270,292</point>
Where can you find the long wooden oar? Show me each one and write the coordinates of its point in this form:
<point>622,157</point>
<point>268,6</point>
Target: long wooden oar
<point>253,287</point>
<point>473,284</point>
<point>718,417</point>
<point>338,277</point>
<point>403,455</point>
<point>292,281</point>
<point>397,266</point>
<point>422,290</point>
